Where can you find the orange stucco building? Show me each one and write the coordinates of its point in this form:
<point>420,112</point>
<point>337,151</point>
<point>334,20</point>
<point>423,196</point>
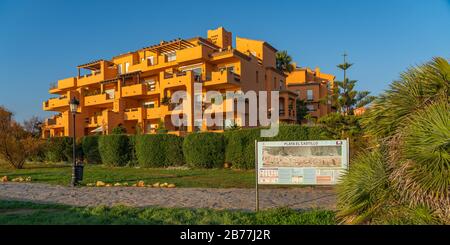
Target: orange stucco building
<point>131,89</point>
<point>313,87</point>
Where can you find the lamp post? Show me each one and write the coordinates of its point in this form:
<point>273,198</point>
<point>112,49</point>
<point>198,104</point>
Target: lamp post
<point>74,103</point>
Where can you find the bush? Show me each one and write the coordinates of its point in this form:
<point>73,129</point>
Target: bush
<point>240,144</point>
<point>114,149</point>
<point>90,149</point>
<point>240,147</point>
<point>132,150</point>
<point>159,150</point>
<point>58,149</point>
<point>204,150</point>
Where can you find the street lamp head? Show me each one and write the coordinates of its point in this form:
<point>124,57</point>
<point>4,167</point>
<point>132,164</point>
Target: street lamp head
<point>74,105</point>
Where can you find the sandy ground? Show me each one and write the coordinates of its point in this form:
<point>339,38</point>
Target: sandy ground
<point>243,199</point>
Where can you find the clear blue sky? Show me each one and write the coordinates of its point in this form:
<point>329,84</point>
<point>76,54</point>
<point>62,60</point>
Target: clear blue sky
<point>43,41</point>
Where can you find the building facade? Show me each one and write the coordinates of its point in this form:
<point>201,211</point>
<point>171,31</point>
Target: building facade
<point>133,89</point>
<point>313,87</point>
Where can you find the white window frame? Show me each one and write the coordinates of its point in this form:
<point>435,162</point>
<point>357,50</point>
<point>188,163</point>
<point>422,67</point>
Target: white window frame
<point>309,94</point>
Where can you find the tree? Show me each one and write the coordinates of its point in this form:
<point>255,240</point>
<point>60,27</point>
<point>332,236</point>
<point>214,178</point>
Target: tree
<point>284,62</point>
<point>344,96</point>
<point>302,111</point>
<point>33,126</point>
<point>120,129</point>
<point>16,145</point>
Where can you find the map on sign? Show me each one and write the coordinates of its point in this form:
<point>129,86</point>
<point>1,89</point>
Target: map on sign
<point>320,162</point>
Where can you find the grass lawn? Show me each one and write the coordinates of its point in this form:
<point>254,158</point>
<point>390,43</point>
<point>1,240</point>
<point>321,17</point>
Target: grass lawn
<point>14,212</point>
<point>60,174</point>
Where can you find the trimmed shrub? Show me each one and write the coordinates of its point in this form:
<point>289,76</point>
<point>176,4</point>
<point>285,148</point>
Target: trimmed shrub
<point>240,144</point>
<point>240,147</point>
<point>204,150</point>
<point>58,149</point>
<point>159,150</point>
<point>132,150</point>
<point>114,149</point>
<point>90,149</point>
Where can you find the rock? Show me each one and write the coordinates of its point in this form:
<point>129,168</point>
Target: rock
<point>156,184</point>
<point>227,165</point>
<point>140,183</point>
<point>100,183</point>
<point>108,185</point>
<point>117,184</point>
<point>28,179</point>
<point>125,184</point>
<point>4,179</point>
<point>90,184</point>
<point>18,179</point>
<point>163,185</point>
<point>134,185</point>
<point>171,186</point>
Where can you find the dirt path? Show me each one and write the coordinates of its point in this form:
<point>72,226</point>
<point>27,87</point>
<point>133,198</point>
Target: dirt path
<point>298,198</point>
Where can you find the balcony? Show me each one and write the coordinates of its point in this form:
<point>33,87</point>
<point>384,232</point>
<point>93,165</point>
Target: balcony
<point>139,90</point>
<point>190,54</point>
<point>54,122</point>
<point>152,113</point>
<point>182,78</point>
<point>133,114</point>
<point>90,78</point>
<point>98,99</point>
<point>226,77</point>
<point>56,103</point>
<point>134,90</point>
<point>95,121</point>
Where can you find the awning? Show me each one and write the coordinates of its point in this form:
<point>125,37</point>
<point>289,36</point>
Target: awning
<point>98,130</point>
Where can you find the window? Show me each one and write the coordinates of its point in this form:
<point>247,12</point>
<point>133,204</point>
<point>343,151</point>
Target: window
<point>119,68</point>
<point>257,77</point>
<point>150,60</point>
<point>197,74</point>
<point>127,66</point>
<point>310,107</point>
<point>281,84</point>
<point>309,94</point>
<point>149,105</point>
<point>110,93</point>
<point>274,82</point>
<point>151,84</point>
<point>171,56</point>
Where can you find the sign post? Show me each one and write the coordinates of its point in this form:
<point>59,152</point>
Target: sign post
<point>316,162</point>
<point>256,174</point>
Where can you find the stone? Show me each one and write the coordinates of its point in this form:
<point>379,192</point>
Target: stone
<point>100,184</point>
<point>4,179</point>
<point>117,184</point>
<point>140,183</point>
<point>156,184</point>
<point>171,186</point>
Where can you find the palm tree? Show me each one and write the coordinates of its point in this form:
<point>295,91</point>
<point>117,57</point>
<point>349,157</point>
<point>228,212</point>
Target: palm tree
<point>284,62</point>
<point>410,124</point>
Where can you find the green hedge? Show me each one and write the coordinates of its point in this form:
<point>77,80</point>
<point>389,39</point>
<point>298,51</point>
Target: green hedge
<point>204,150</point>
<point>240,144</point>
<point>58,149</point>
<point>159,150</point>
<point>114,149</point>
<point>90,149</point>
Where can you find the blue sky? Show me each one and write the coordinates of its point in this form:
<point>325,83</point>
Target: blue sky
<point>43,41</point>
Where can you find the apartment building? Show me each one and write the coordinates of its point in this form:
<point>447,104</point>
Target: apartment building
<point>133,89</point>
<point>312,86</point>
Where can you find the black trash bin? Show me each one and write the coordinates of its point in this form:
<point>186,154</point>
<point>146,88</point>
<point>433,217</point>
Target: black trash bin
<point>79,172</point>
